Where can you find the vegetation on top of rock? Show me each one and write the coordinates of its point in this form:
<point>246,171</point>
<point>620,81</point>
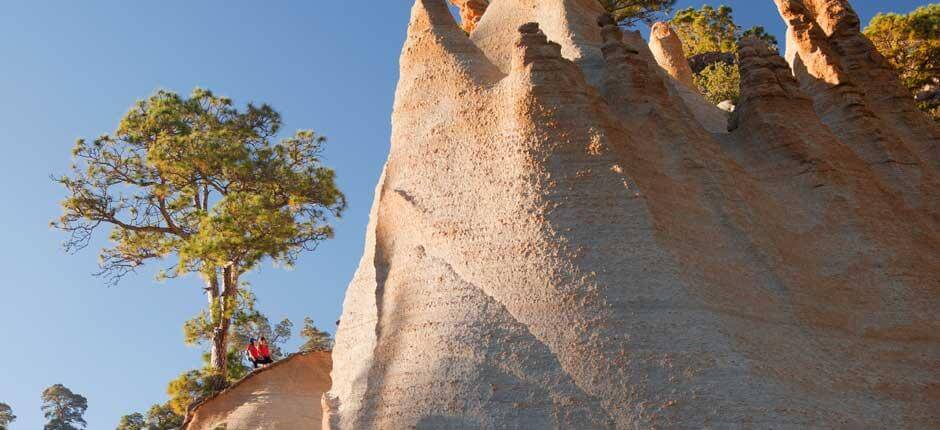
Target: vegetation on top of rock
<point>706,29</point>
<point>911,43</point>
<point>710,40</point>
<point>719,82</point>
<point>195,385</point>
<point>199,180</point>
<point>247,322</point>
<point>316,339</point>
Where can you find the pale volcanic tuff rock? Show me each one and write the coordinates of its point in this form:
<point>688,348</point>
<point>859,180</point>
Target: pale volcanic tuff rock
<point>858,96</point>
<point>667,48</point>
<point>284,395</point>
<point>557,241</point>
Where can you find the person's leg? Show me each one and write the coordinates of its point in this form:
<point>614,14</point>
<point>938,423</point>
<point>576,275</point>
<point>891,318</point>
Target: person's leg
<point>255,363</point>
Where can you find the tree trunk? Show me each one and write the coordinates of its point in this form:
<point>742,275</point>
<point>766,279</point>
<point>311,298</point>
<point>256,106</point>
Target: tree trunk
<point>217,355</point>
<point>227,300</point>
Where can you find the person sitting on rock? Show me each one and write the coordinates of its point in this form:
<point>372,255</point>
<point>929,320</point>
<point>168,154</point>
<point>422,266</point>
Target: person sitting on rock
<point>264,353</point>
<point>253,351</point>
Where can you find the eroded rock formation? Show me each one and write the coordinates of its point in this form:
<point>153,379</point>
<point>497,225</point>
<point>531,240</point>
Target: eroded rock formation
<point>470,12</point>
<point>558,240</point>
<point>667,48</point>
<point>284,395</point>
<point>858,96</point>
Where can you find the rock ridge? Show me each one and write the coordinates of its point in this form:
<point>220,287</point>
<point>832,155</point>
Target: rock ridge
<point>563,238</point>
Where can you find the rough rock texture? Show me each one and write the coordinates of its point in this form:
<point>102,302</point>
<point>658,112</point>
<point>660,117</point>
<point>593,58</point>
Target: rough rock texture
<point>855,89</point>
<point>558,241</point>
<point>667,48</point>
<point>470,12</point>
<point>284,395</point>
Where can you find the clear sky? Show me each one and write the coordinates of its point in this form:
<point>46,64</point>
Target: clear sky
<point>71,69</point>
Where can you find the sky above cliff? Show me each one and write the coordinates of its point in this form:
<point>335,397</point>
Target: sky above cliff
<point>71,70</point>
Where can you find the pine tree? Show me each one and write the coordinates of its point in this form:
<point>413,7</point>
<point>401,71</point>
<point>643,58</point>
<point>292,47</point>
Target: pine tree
<point>162,417</point>
<point>911,43</point>
<point>6,416</point>
<point>133,421</point>
<point>316,339</point>
<point>159,417</point>
<point>63,409</point>
<point>710,40</point>
<point>200,181</point>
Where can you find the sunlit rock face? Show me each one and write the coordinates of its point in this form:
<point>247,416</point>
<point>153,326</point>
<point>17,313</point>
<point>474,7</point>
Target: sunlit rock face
<point>558,240</point>
<point>284,395</point>
<point>667,48</point>
<point>858,96</point>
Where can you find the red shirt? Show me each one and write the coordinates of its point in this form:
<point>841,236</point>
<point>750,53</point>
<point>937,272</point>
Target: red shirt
<point>263,351</point>
<point>252,351</point>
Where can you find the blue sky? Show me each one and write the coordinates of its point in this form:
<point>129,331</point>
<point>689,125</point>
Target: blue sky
<point>71,70</point>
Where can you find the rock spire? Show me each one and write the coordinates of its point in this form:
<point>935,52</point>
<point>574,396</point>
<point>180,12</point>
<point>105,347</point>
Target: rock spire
<point>563,238</point>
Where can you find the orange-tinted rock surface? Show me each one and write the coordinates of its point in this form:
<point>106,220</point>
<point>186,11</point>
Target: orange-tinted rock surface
<point>284,395</point>
<point>858,96</point>
<point>667,48</point>
<point>470,12</point>
<point>558,240</point>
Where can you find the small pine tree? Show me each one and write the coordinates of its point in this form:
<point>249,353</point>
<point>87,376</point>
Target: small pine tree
<point>162,417</point>
<point>159,417</point>
<point>193,386</point>
<point>134,421</point>
<point>710,34</point>
<point>63,409</point>
<point>6,416</point>
<point>316,339</point>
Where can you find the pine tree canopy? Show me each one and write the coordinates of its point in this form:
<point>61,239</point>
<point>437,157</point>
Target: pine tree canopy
<point>201,180</point>
<point>63,409</point>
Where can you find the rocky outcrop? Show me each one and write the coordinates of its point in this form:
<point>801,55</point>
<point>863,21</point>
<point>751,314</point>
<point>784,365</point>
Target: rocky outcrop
<point>470,12</point>
<point>667,48</point>
<point>855,88</point>
<point>284,395</point>
<point>559,241</point>
<point>857,95</point>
